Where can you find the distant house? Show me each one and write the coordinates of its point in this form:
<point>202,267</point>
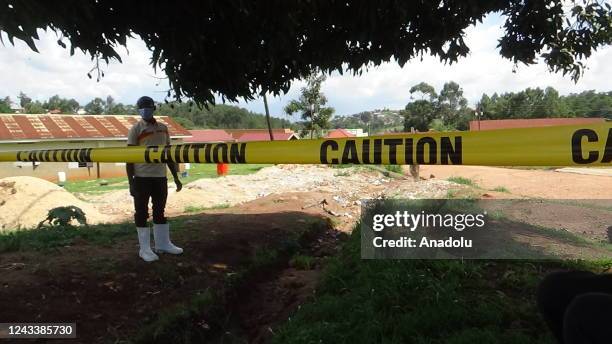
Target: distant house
<point>339,133</point>
<point>16,107</point>
<point>47,131</point>
<point>266,136</point>
<point>240,135</point>
<point>210,135</point>
<point>530,123</point>
<point>357,132</point>
<point>280,132</point>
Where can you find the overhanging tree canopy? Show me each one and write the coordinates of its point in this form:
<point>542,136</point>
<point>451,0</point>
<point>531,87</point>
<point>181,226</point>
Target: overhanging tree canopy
<point>242,48</point>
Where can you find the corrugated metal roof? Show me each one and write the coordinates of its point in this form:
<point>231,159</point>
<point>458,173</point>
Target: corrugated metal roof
<point>50,127</point>
<point>529,123</point>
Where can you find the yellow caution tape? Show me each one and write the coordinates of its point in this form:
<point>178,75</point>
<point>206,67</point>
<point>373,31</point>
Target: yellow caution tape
<point>589,145</point>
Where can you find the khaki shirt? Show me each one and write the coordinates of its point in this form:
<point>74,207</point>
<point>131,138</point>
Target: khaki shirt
<point>144,133</point>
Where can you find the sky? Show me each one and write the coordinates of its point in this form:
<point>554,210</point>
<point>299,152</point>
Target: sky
<point>54,71</point>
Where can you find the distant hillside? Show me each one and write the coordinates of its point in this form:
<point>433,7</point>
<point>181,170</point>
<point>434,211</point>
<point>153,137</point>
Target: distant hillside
<point>371,121</point>
<point>219,117</point>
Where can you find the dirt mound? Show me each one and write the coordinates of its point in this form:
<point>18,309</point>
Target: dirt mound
<point>25,201</point>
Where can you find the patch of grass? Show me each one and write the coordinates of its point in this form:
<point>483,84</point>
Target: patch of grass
<point>264,256</point>
<point>220,206</point>
<point>48,238</point>
<point>501,189</point>
<point>394,168</point>
<point>196,209</point>
<point>96,186</point>
<point>422,301</point>
<point>462,180</point>
<point>461,194</point>
<point>40,239</point>
<point>193,209</point>
<point>197,171</point>
<point>302,262</point>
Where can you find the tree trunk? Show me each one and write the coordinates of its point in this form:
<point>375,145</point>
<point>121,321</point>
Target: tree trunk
<point>265,99</point>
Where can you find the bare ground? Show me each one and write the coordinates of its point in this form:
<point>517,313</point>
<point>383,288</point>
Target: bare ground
<point>529,183</point>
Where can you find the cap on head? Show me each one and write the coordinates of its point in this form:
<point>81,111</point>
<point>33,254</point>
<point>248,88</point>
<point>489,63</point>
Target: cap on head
<point>145,102</point>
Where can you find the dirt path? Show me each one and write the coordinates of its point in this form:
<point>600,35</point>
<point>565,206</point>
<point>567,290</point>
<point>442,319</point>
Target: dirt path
<point>529,183</point>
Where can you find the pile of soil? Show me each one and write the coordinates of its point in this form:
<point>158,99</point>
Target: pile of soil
<point>25,201</point>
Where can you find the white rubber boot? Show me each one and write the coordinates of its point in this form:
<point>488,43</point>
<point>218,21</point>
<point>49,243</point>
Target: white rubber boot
<point>161,233</point>
<point>144,239</point>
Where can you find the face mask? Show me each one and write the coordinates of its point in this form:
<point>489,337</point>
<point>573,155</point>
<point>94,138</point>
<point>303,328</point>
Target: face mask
<point>146,113</point>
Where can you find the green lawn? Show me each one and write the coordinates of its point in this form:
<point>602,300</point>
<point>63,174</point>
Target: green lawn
<point>423,301</point>
<point>46,238</point>
<point>196,172</point>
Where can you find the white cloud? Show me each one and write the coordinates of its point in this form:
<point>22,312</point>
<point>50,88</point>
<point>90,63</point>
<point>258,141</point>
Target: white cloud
<point>483,71</point>
<point>54,71</point>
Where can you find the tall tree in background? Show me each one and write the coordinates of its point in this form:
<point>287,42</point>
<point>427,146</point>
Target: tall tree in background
<point>64,105</point>
<point>111,107</point>
<point>538,103</point>
<point>419,113</point>
<point>5,105</point>
<point>29,106</point>
<point>426,90</point>
<point>24,100</point>
<point>448,109</point>
<point>95,107</point>
<point>311,105</point>
<point>452,106</point>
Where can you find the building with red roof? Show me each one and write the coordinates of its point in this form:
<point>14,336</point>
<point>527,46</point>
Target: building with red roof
<point>210,135</point>
<point>265,136</point>
<point>51,131</point>
<point>339,133</point>
<point>49,128</point>
<point>530,123</point>
<point>237,133</point>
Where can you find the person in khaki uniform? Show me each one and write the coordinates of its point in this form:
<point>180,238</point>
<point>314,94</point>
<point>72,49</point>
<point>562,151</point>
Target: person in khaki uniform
<point>148,181</point>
